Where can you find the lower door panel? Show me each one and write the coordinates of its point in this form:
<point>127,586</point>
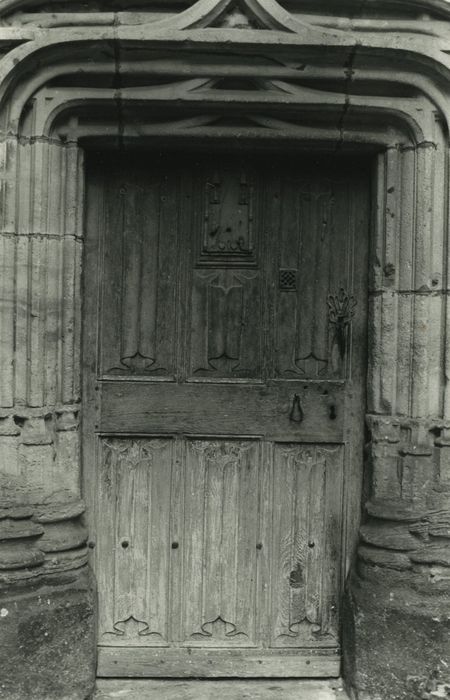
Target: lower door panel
<point>218,556</point>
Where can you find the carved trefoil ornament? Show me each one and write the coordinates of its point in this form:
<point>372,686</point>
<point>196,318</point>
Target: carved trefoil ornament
<point>132,629</point>
<point>219,631</point>
<point>136,364</point>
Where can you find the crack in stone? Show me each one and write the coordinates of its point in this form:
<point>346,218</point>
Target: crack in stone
<point>348,71</point>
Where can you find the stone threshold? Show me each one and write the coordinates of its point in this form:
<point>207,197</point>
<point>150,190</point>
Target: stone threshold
<point>137,689</point>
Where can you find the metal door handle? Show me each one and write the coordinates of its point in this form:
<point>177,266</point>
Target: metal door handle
<point>296,413</point>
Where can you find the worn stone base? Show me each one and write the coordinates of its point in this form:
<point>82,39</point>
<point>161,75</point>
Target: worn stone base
<point>396,640</point>
<point>47,639</point>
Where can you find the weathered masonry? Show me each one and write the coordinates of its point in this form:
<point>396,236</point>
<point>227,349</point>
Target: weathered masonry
<point>224,343</point>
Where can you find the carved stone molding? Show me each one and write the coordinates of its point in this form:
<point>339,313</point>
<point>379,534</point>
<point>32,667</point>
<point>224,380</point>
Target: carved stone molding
<point>407,525</point>
<point>18,542</point>
<point>40,540</point>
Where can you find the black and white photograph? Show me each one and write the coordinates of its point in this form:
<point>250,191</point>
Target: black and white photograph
<point>224,350</point>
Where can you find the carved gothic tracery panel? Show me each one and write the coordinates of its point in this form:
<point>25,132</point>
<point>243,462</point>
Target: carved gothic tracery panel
<point>131,554</point>
<point>317,249</point>
<point>140,265</point>
<point>247,528</point>
<point>226,333</point>
<point>306,542</point>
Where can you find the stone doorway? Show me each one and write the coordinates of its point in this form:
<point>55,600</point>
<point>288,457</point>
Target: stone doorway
<point>224,386</point>
<point>208,71</point>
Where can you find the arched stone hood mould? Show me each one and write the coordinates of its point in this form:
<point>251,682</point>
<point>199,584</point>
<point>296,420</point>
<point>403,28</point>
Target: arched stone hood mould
<point>439,8</point>
<point>268,13</point>
<point>279,31</point>
<point>426,69</point>
<point>337,115</point>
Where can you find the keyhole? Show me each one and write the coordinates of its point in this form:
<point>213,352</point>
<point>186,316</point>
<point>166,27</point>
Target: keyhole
<point>125,544</point>
<point>332,411</point>
<point>296,413</point>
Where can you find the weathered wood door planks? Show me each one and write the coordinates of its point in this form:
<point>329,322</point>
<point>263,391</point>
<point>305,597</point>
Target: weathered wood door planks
<point>224,352</point>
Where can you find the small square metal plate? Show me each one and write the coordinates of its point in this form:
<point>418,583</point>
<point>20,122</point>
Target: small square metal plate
<point>287,279</point>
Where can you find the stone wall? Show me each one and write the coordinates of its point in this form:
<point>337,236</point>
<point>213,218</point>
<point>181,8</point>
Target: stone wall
<point>47,596</point>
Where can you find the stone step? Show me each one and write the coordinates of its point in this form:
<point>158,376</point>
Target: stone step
<point>219,690</point>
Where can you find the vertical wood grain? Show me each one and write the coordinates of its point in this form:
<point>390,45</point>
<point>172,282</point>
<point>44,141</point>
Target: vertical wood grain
<point>136,491</point>
<point>306,544</point>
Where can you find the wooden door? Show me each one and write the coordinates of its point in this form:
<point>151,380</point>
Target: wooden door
<point>225,302</point>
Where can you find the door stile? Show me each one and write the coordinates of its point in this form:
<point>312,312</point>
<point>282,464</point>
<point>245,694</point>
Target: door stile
<point>91,271</point>
<point>359,223</point>
<point>177,516</point>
